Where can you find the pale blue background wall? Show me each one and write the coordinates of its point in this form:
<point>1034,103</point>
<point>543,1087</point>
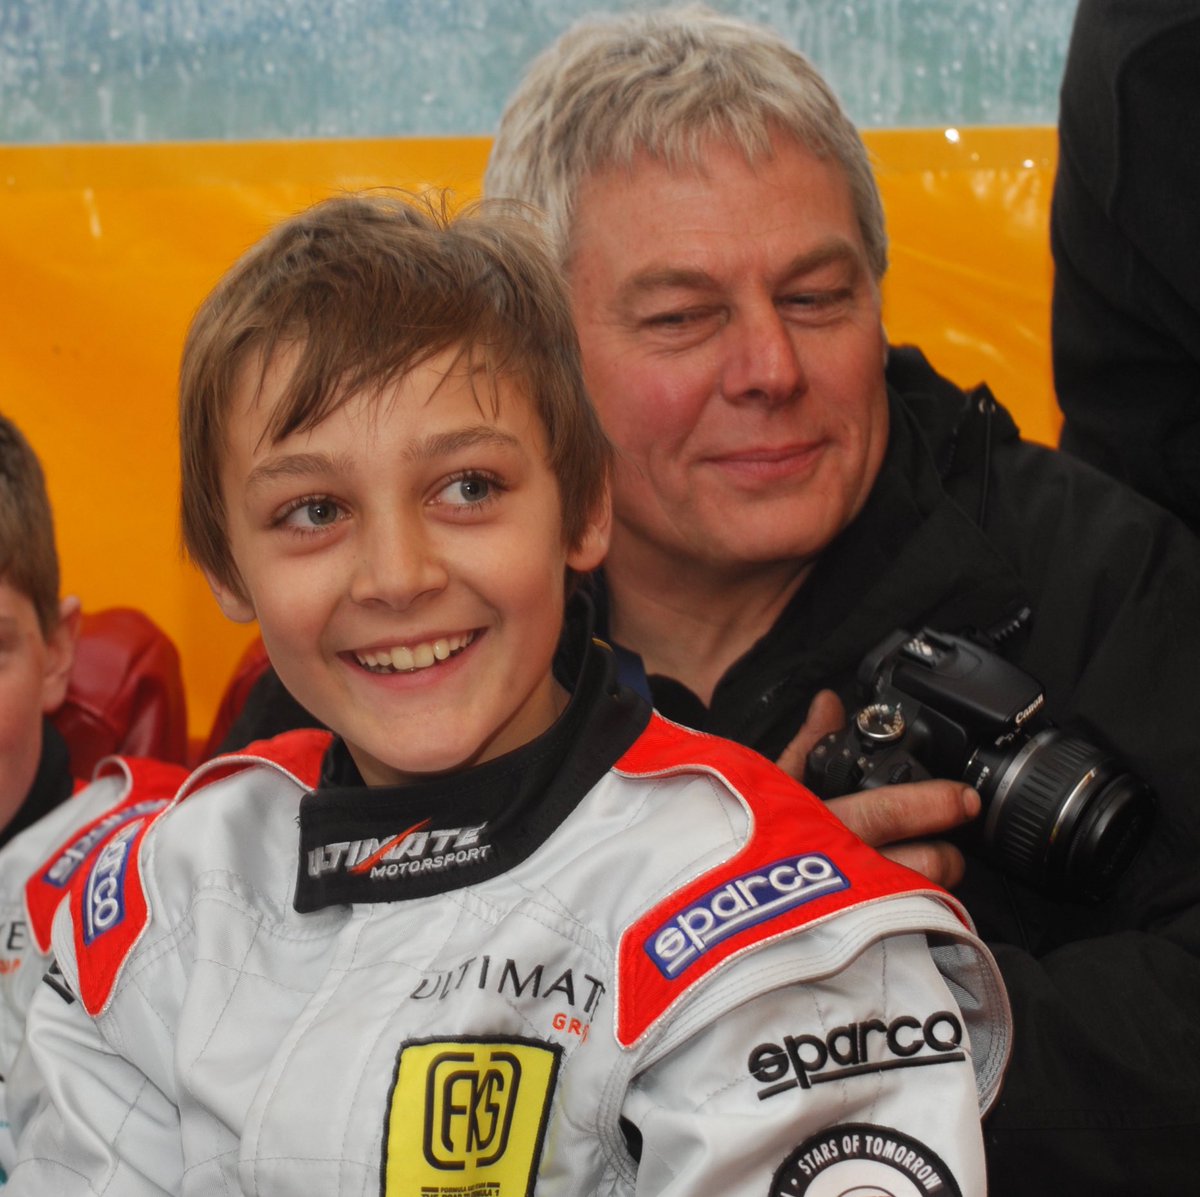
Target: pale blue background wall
<point>168,70</point>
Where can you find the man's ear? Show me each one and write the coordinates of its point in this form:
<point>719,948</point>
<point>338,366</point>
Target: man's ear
<point>60,653</point>
<point>587,553</point>
<point>233,604</point>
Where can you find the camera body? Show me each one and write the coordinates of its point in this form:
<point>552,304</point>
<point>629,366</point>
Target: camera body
<point>1058,812</point>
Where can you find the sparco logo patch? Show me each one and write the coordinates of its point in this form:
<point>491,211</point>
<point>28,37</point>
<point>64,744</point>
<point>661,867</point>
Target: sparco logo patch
<point>740,903</point>
<point>104,893</point>
<point>64,866</point>
<point>801,1061</point>
<point>468,1117</point>
<point>417,849</point>
<point>865,1161</point>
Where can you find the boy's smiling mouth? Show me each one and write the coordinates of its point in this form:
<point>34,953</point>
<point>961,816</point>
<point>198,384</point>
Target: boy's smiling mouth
<point>406,658</point>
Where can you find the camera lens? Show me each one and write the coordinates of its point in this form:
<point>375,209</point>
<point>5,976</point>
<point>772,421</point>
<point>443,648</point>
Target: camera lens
<point>1061,814</point>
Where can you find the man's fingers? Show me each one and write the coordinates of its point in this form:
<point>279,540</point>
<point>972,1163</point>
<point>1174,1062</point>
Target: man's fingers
<point>895,818</point>
<point>892,814</point>
<point>941,862</point>
<point>825,714</point>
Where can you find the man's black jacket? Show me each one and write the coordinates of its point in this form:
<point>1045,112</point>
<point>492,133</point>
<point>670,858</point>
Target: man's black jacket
<point>967,525</point>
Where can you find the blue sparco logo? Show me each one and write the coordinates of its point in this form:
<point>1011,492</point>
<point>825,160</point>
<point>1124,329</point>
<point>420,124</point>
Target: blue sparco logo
<point>741,903</point>
<point>104,894</point>
<point>64,866</point>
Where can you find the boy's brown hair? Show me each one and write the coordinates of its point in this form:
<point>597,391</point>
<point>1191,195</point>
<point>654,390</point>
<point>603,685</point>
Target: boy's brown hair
<point>367,287</point>
<point>28,557</point>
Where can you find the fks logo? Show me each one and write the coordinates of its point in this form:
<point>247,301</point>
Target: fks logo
<point>472,1096</point>
<point>467,1113</point>
<point>104,894</point>
<point>739,904</point>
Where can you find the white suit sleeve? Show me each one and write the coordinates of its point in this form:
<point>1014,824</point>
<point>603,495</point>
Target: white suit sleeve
<point>863,1078</point>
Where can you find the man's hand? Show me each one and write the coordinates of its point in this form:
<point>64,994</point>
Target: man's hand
<point>892,819</point>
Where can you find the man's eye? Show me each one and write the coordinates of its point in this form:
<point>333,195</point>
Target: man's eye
<point>818,299</point>
<point>674,319</point>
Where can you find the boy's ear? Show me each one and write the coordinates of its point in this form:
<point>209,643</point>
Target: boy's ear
<point>231,601</point>
<point>587,553</point>
<point>60,653</point>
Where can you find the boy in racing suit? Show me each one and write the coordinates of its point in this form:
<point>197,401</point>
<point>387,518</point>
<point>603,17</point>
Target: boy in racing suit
<point>504,930</point>
<point>38,631</point>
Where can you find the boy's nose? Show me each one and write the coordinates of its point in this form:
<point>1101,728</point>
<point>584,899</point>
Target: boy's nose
<point>397,564</point>
<point>762,363</point>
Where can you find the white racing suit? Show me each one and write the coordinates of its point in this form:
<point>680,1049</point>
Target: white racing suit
<point>36,869</point>
<point>627,958</point>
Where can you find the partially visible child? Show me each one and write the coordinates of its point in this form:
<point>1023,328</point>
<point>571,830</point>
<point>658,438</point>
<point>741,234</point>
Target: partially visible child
<point>505,930</point>
<point>38,634</point>
<point>38,630</point>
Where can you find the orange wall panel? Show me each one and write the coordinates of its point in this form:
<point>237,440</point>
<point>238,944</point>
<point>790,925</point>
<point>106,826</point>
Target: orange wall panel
<point>105,252</point>
<point>970,274</point>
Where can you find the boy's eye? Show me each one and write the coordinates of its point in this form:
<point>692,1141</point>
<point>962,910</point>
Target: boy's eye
<point>314,513</point>
<point>466,491</point>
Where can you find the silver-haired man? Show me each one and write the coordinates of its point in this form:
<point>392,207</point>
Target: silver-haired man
<point>791,489</point>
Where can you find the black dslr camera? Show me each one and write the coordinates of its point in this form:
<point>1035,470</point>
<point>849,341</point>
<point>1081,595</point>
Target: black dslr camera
<point>1058,812</point>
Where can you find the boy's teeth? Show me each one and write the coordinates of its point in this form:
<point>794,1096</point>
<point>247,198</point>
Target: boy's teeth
<point>421,656</point>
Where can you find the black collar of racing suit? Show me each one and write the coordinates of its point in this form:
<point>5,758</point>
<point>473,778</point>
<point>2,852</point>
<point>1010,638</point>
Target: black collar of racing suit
<point>390,843</point>
<point>52,783</point>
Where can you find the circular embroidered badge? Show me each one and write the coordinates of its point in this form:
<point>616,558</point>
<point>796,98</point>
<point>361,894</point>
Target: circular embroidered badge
<point>860,1160</point>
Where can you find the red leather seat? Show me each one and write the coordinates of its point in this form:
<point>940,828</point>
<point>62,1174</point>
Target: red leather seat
<point>125,692</point>
<point>252,664</point>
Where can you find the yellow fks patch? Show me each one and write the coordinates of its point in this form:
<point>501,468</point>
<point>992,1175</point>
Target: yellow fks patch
<point>468,1117</point>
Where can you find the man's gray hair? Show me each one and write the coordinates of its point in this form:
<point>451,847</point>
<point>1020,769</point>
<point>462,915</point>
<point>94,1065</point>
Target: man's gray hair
<point>664,83</point>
